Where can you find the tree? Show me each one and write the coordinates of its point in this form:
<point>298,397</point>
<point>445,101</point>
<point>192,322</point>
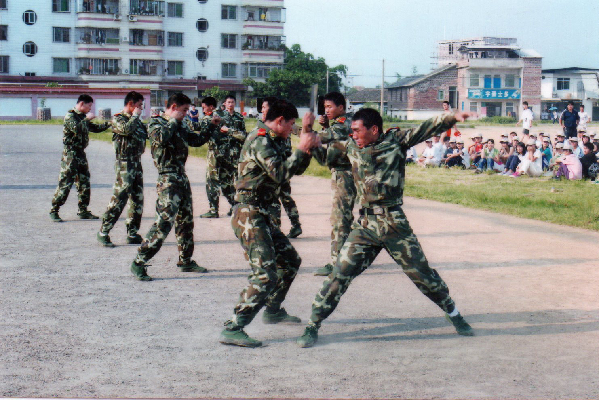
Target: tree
<point>216,92</point>
<point>301,71</point>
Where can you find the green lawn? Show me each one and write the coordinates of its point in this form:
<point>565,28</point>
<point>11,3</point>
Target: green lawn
<point>560,202</point>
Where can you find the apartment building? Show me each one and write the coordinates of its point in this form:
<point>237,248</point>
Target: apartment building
<point>578,85</point>
<point>489,75</point>
<point>167,46</point>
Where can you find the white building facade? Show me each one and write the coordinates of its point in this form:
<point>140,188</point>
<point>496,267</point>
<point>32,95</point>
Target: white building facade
<point>578,85</point>
<point>167,46</point>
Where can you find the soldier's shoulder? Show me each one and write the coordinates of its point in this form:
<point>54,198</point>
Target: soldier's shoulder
<point>157,120</point>
<point>239,115</point>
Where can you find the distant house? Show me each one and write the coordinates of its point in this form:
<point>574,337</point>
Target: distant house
<point>562,85</point>
<point>358,99</point>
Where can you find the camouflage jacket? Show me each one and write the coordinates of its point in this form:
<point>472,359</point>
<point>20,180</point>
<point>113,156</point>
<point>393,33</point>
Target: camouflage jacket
<point>206,125</point>
<point>233,140</point>
<point>336,137</point>
<point>263,167</point>
<point>379,168</point>
<point>129,136</point>
<point>76,130</point>
<point>170,141</point>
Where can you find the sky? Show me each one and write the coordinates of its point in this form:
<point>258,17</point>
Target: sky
<point>360,34</point>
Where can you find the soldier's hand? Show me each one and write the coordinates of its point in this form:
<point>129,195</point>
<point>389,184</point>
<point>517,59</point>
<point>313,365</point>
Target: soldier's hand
<point>464,115</point>
<point>322,120</point>
<point>90,115</point>
<point>307,122</point>
<point>224,129</point>
<point>215,120</point>
<point>308,141</point>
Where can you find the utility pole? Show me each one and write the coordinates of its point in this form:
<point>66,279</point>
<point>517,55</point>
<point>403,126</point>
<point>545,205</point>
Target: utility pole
<point>383,90</point>
<point>327,79</point>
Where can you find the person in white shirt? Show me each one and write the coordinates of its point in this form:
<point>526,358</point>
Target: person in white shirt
<point>526,118</point>
<point>428,155</point>
<point>582,124</point>
<point>532,162</point>
<point>465,154</point>
<point>439,148</point>
<point>575,147</point>
<point>411,155</point>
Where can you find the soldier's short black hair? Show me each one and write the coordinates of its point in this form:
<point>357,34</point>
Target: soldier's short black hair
<point>270,100</point>
<point>336,98</point>
<point>230,96</point>
<point>86,98</point>
<point>281,108</point>
<point>179,99</point>
<point>369,117</point>
<point>133,96</point>
<point>209,101</point>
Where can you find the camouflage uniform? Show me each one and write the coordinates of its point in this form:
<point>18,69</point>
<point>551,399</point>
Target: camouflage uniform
<point>273,260</point>
<point>129,136</point>
<point>73,166</point>
<point>379,172</point>
<point>342,182</point>
<point>223,156</point>
<point>170,140</point>
<point>284,197</point>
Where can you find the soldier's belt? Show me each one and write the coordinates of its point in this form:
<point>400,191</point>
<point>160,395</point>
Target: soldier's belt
<point>251,198</point>
<point>378,210</point>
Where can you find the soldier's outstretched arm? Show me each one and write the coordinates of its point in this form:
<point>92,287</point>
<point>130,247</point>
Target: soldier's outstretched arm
<point>197,139</point>
<point>431,127</point>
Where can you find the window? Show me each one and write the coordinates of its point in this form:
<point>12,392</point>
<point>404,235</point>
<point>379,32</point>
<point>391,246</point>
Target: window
<point>229,70</point>
<point>202,25</point>
<point>510,80</point>
<point>228,41</point>
<point>496,81</point>
<point>3,32</point>
<point>29,73</point>
<point>229,12</point>
<point>29,48</point>
<point>258,70</point>
<point>60,6</point>
<point>175,10</point>
<point>488,81</point>
<point>450,48</point>
<point>440,95</point>
<point>29,17</point>
<point>175,39</point>
<point>474,80</point>
<point>509,109</point>
<point>473,106</point>
<point>202,54</point>
<point>146,67</point>
<point>61,65</point>
<point>97,66</point>
<point>157,98</point>
<point>563,83</point>
<point>3,64</point>
<point>2,4</point>
<point>61,35</point>
<point>175,68</point>
<point>202,1</point>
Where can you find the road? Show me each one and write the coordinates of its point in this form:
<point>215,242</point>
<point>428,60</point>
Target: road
<point>74,322</point>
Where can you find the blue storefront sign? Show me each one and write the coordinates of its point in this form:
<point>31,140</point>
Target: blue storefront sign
<point>509,94</point>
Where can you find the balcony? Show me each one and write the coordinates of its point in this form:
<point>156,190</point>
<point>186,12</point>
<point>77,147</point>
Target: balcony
<point>98,6</point>
<point>263,3</point>
<point>99,36</point>
<point>263,43</point>
<point>146,68</point>
<point>264,14</point>
<point>97,66</point>
<point>147,8</point>
<point>495,63</point>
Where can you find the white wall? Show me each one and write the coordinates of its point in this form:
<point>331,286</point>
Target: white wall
<point>59,107</point>
<point>15,107</point>
<point>115,105</point>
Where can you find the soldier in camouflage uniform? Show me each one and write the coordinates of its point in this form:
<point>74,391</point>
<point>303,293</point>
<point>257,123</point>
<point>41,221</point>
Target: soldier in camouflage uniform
<point>273,260</point>
<point>170,138</point>
<point>284,197</point>
<point>73,166</point>
<point>378,164</point>
<point>129,139</point>
<point>224,147</point>
<point>336,135</point>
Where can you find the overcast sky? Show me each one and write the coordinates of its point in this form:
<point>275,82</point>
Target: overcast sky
<point>360,33</point>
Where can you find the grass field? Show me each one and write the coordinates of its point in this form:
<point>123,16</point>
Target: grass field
<point>560,202</point>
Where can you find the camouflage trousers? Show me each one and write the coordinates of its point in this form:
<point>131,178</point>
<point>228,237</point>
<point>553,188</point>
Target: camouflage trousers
<point>289,205</point>
<point>368,237</point>
<point>344,195</point>
<point>73,169</point>
<point>273,260</point>
<point>174,205</point>
<point>220,177</point>
<point>129,186</point>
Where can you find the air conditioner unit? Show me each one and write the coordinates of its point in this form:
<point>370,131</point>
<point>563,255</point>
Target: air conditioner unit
<point>117,17</point>
<point>132,18</point>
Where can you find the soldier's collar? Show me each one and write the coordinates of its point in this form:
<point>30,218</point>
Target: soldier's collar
<point>125,114</point>
<point>340,119</point>
<point>77,111</point>
<point>209,113</point>
<point>263,130</point>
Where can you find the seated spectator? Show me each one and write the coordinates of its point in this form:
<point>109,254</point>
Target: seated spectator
<point>576,150</point>
<point>488,158</point>
<point>453,156</point>
<point>559,151</point>
<point>587,160</point>
<point>474,151</point>
<point>464,153</point>
<point>511,166</point>
<point>439,147</point>
<point>585,139</point>
<point>569,164</point>
<point>513,138</point>
<point>538,143</point>
<point>504,154</point>
<point>546,154</point>
<point>428,155</point>
<point>531,164</point>
<point>412,155</point>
